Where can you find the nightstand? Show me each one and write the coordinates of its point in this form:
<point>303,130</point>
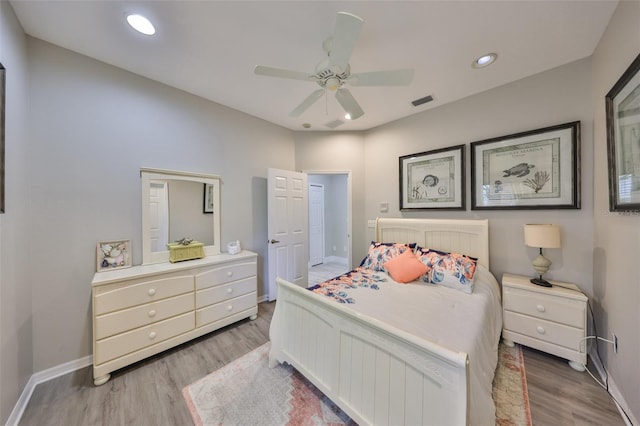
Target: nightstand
<point>551,319</point>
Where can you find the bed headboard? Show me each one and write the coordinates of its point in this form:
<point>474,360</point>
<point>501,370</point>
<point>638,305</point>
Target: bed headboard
<point>470,237</point>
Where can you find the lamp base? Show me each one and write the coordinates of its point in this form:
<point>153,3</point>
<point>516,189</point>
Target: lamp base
<point>541,282</point>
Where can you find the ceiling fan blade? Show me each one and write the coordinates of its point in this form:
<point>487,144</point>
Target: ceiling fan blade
<point>349,103</point>
<point>347,30</point>
<point>282,73</point>
<point>382,78</point>
<point>310,100</point>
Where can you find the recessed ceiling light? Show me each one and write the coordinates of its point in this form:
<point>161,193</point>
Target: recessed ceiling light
<point>484,60</point>
<point>347,116</point>
<point>141,24</point>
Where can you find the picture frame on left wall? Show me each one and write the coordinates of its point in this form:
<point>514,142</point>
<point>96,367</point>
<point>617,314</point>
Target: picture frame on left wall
<point>2,114</point>
<point>114,254</point>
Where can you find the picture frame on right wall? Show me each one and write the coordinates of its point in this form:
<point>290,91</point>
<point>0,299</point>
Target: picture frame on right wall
<point>623,141</point>
<point>537,169</point>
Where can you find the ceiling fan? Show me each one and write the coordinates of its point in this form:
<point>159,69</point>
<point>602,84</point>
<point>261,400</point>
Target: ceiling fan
<point>333,72</point>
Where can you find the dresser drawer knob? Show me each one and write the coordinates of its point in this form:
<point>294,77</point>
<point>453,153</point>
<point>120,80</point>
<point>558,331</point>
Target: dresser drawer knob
<point>540,329</point>
<point>152,313</point>
<point>152,335</point>
<point>540,308</point>
<point>229,290</point>
<point>230,274</point>
<point>151,291</point>
<point>230,307</point>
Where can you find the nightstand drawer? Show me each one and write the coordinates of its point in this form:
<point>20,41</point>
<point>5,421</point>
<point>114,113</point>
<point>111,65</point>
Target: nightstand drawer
<point>547,331</point>
<point>552,308</point>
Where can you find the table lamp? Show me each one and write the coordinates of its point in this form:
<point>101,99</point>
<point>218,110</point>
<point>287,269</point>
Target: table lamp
<point>541,236</point>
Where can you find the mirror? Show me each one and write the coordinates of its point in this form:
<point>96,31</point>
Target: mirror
<point>178,205</point>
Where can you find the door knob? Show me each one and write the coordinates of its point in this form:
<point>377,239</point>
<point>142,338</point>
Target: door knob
<point>274,241</point>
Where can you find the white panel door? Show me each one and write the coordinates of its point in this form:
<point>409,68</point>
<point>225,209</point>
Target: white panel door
<point>159,216</point>
<point>288,228</point>
<point>316,224</point>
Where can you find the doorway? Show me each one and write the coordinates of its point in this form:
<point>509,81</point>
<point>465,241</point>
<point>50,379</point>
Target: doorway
<point>330,224</point>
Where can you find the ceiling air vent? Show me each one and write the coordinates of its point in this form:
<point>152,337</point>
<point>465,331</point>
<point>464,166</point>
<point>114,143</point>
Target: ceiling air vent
<point>335,123</point>
<point>422,100</point>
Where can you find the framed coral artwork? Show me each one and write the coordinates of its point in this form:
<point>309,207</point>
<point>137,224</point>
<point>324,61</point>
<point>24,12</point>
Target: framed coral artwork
<point>537,169</point>
<point>113,255</point>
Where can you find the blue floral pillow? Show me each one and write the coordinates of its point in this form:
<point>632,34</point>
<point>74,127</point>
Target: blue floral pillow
<point>448,269</point>
<point>381,253</point>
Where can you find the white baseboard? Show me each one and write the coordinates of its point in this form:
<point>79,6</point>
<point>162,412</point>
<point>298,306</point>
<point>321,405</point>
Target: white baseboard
<point>619,400</point>
<point>263,298</point>
<point>41,377</point>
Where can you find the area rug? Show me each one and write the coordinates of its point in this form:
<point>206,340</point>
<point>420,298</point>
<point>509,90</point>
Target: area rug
<point>248,392</point>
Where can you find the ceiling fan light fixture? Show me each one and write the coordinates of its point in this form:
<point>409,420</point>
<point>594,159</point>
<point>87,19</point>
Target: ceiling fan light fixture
<point>484,60</point>
<point>141,24</point>
<point>332,84</point>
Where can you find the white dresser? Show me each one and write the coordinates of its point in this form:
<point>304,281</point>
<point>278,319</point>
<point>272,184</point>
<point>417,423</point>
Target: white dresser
<point>143,310</point>
<point>551,319</point>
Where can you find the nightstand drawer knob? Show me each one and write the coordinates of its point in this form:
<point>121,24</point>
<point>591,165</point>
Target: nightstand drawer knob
<point>152,313</point>
<point>152,335</point>
<point>229,290</point>
<point>151,291</point>
<point>540,308</point>
<point>540,329</point>
<point>229,274</point>
<point>229,307</point>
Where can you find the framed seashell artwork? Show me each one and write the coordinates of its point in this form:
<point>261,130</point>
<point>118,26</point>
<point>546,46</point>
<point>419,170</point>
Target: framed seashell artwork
<point>433,180</point>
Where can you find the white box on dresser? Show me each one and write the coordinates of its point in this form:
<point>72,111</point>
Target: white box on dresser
<point>551,319</point>
<point>143,310</point>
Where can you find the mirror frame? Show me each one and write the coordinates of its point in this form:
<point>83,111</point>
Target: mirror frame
<point>146,176</point>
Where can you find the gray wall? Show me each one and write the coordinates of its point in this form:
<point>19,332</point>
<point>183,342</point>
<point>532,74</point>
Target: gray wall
<point>616,286</point>
<point>16,343</point>
<point>338,152</point>
<point>557,96</point>
<point>97,125</point>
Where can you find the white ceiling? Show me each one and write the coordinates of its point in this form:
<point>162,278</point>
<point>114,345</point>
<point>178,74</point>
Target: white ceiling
<point>210,48</point>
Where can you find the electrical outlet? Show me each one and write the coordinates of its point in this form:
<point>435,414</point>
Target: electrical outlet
<point>615,344</point>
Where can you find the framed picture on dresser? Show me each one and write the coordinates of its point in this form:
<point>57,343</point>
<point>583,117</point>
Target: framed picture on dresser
<point>623,141</point>
<point>113,255</point>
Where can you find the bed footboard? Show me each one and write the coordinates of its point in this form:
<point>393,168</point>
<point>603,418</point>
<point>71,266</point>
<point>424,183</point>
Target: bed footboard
<point>375,373</point>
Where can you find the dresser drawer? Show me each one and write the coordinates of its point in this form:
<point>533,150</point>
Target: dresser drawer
<point>127,319</point>
<point>547,331</point>
<point>131,341</point>
<point>223,292</point>
<point>552,308</point>
<point>224,309</point>
<point>144,292</point>
<point>225,274</point>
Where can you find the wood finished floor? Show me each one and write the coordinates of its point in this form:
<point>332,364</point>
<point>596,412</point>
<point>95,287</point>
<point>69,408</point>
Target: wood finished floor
<point>150,392</point>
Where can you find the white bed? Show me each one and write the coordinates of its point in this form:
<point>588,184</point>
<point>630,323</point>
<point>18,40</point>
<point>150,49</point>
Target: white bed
<point>406,366</point>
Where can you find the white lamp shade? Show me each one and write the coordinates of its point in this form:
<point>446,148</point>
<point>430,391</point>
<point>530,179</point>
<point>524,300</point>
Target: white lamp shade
<point>542,235</point>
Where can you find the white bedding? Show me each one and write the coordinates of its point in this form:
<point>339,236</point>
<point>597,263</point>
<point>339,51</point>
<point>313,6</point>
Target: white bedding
<point>469,323</point>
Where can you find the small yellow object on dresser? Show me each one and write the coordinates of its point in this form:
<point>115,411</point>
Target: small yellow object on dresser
<point>179,252</point>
